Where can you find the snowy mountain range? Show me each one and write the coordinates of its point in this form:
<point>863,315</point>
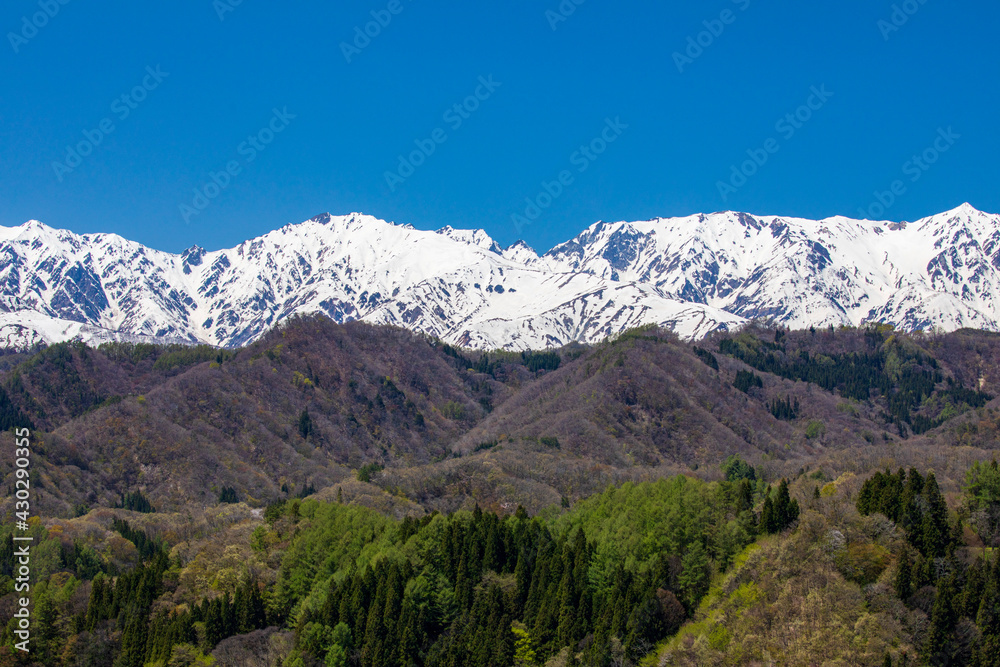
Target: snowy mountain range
<point>694,274</point>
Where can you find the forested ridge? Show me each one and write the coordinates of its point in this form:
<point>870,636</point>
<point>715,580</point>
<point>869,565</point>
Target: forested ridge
<point>634,574</point>
<point>356,495</point>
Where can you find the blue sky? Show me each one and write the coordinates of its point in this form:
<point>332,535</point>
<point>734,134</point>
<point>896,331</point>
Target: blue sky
<point>209,85</point>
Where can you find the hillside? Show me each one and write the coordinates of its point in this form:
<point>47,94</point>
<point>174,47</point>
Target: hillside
<point>314,403</point>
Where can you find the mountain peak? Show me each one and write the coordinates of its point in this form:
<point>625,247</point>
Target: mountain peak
<point>966,209</point>
<point>694,274</point>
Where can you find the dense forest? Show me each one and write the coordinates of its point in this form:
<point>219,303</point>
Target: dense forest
<point>356,495</point>
<point>639,572</point>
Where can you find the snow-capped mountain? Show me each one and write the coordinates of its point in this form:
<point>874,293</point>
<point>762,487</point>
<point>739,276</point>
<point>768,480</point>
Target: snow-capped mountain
<point>694,274</point>
<point>942,271</point>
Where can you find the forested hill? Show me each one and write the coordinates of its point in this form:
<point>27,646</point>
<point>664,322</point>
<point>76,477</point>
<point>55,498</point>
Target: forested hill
<point>413,421</point>
<point>869,571</point>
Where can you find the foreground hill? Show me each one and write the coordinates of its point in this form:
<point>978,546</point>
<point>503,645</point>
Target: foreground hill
<point>692,275</point>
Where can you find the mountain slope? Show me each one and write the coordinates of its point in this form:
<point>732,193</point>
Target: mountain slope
<point>315,403</point>
<point>694,275</point>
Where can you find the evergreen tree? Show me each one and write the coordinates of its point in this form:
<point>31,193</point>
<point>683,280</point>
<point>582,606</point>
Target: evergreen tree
<point>694,577</point>
<point>768,518</point>
<point>934,526</point>
<point>903,583</point>
<point>943,619</point>
<point>305,425</point>
<point>988,617</point>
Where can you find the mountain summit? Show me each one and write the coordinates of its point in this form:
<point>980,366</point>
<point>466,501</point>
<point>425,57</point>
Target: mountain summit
<point>694,274</point>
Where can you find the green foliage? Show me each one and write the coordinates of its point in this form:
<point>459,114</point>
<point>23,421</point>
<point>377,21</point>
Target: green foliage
<point>228,495</point>
<point>549,441</point>
<point>982,500</point>
<point>695,575</point>
<point>944,617</point>
<point>181,357</point>
<point>893,368</point>
<point>903,581</point>
<point>489,444</point>
<point>366,471</point>
<point>707,357</point>
<point>145,545</point>
<point>453,410</point>
<point>540,361</point>
<point>785,409</point>
<point>639,523</point>
<point>524,655</point>
<point>129,352</point>
<point>56,374</point>
<point>779,510</point>
<point>435,587</point>
<point>915,503</point>
<point>746,380</point>
<point>815,429</point>
<point>135,502</point>
<point>274,511</point>
<point>11,415</point>
<point>736,469</point>
<point>305,425</point>
<point>492,363</point>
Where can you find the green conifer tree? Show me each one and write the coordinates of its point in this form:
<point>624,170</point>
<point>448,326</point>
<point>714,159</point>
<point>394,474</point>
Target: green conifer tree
<point>903,583</point>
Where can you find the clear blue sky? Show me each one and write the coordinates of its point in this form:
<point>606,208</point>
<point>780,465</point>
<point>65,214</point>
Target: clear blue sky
<point>892,92</point>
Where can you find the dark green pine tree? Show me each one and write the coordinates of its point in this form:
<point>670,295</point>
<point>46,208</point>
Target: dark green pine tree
<point>214,626</point>
<point>782,506</point>
<point>133,647</point>
<point>374,633</point>
<point>768,518</point>
<point>410,635</point>
<point>934,526</point>
<point>943,620</point>
<point>45,630</point>
<point>568,608</point>
<point>903,583</point>
<point>744,496</point>
<point>305,425</point>
<point>910,513</point>
<point>694,577</point>
<point>7,556</point>
<point>972,594</point>
<point>988,618</point>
